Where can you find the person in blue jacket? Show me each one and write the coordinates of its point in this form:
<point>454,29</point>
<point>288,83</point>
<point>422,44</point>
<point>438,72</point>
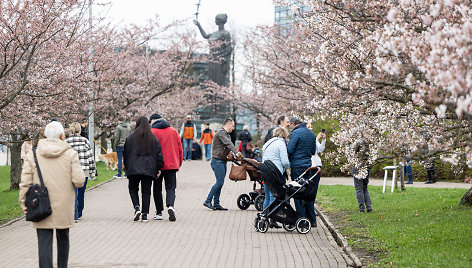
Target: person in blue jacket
<point>300,148</point>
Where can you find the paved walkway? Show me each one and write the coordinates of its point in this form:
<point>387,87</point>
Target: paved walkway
<point>107,236</point>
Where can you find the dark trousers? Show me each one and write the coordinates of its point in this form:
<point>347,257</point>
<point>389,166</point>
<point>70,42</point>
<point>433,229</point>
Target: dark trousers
<point>362,194</point>
<point>170,180</point>
<point>306,208</point>
<point>431,174</point>
<point>119,153</point>
<point>79,200</point>
<point>133,186</point>
<point>45,247</point>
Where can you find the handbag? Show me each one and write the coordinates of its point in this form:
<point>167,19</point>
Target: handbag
<point>37,198</point>
<point>237,173</point>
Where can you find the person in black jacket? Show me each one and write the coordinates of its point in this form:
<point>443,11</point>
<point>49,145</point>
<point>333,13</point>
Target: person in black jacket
<point>143,161</point>
<point>245,138</point>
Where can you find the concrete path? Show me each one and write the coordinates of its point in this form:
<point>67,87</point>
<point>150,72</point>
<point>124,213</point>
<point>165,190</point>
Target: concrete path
<point>107,236</point>
<point>378,182</point>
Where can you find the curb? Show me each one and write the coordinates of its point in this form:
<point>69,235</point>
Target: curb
<point>22,217</point>
<point>339,238</point>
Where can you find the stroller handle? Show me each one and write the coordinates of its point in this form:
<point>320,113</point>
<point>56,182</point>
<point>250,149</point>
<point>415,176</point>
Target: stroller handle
<point>312,168</point>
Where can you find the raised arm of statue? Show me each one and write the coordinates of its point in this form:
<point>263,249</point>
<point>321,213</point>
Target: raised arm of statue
<point>206,36</point>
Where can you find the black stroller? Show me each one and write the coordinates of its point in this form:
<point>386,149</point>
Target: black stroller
<point>256,197</point>
<point>280,209</point>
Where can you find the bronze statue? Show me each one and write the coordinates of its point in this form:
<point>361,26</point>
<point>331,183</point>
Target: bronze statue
<point>220,51</point>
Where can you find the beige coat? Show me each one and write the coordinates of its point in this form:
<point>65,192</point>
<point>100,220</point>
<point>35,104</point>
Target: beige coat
<point>61,171</point>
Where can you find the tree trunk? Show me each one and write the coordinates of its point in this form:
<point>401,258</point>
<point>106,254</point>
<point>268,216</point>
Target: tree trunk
<point>15,168</point>
<point>104,144</point>
<point>467,198</point>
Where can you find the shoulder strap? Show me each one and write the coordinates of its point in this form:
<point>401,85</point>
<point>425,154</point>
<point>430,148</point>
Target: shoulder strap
<point>269,144</point>
<point>37,167</point>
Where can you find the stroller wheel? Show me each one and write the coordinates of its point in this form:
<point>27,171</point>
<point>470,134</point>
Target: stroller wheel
<point>303,225</point>
<point>289,227</point>
<point>244,201</point>
<point>256,224</point>
<point>259,202</point>
<point>263,225</point>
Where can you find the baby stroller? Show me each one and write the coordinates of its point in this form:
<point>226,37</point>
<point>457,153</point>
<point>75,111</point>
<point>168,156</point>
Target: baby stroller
<point>280,209</point>
<point>256,197</point>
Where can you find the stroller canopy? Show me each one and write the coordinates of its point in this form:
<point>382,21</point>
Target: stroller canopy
<point>272,178</point>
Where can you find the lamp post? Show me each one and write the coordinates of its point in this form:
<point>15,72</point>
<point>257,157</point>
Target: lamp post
<point>91,114</point>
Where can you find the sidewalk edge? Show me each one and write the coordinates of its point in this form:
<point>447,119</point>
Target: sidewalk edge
<point>339,238</point>
<point>22,217</point>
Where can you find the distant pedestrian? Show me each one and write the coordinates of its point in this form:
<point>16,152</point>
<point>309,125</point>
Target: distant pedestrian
<point>87,161</point>
<point>407,170</point>
<point>431,170</point>
<point>196,150</point>
<point>281,122</point>
<point>275,150</point>
<point>121,133</point>
<point>300,148</point>
<point>245,137</point>
<point>83,128</point>
<point>207,137</point>
<point>61,173</point>
<point>188,131</point>
<point>361,174</point>
<point>222,145</point>
<point>143,160</point>
<point>172,154</point>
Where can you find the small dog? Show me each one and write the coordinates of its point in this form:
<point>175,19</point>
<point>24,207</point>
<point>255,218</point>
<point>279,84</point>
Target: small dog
<point>111,159</point>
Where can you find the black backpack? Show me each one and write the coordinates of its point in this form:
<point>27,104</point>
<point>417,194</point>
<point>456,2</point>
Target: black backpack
<point>37,198</point>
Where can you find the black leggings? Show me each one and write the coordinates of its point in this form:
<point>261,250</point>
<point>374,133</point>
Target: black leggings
<point>133,186</point>
<point>45,247</point>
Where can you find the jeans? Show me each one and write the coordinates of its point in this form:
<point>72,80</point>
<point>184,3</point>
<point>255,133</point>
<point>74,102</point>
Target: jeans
<point>306,208</point>
<point>362,194</point>
<point>268,197</point>
<point>188,149</point>
<point>119,153</point>
<point>408,171</point>
<point>133,186</point>
<point>79,200</point>
<point>208,151</point>
<point>170,179</point>
<point>219,168</point>
<point>45,247</point>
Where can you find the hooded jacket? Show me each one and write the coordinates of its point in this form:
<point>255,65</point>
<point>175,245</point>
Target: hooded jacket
<point>121,133</point>
<point>171,145</point>
<point>61,172</point>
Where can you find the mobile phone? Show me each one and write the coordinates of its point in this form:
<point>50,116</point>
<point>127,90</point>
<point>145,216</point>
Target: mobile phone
<point>323,130</point>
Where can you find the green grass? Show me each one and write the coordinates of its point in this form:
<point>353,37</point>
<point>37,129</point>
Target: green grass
<point>416,228</point>
<point>9,205</point>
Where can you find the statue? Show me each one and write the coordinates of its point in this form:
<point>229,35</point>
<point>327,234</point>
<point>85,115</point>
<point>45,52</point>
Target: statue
<point>220,51</point>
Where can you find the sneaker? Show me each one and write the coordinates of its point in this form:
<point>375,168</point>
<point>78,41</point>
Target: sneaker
<point>219,207</point>
<point>409,182</point>
<point>369,210</point>
<point>209,205</point>
<point>124,177</point>
<point>76,221</point>
<point>137,213</point>
<point>117,176</point>
<point>171,212</point>
<point>361,210</point>
<point>429,182</point>
<point>157,216</point>
<point>144,218</point>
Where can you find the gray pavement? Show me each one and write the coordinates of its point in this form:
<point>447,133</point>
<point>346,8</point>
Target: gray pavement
<point>107,236</point>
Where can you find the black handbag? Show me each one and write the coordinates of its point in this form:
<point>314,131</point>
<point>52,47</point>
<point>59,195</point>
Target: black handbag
<point>37,198</point>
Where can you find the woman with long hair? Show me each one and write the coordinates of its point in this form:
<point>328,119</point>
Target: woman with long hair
<point>143,161</point>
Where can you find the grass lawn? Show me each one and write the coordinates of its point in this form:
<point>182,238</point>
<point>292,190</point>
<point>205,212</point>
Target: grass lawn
<point>9,205</point>
<point>416,228</point>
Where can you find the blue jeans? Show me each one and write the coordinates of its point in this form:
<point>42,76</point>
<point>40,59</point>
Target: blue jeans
<point>188,149</point>
<point>219,167</point>
<point>306,208</point>
<point>268,198</point>
<point>119,153</point>
<point>208,151</point>
<point>79,200</point>
<point>407,170</point>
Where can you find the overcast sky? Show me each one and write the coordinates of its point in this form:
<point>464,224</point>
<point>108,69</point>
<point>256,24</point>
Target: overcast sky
<point>241,13</point>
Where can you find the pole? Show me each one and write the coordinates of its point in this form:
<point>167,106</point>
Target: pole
<point>91,114</point>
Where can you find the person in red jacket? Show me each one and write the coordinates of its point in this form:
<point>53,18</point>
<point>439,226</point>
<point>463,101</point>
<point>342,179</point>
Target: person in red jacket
<point>207,137</point>
<point>172,153</point>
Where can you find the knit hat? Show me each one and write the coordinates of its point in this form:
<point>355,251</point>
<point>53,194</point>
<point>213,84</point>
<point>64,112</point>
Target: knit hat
<point>154,116</point>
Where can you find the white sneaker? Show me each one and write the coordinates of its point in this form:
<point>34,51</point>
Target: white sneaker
<point>116,176</point>
<point>157,216</point>
<point>171,212</point>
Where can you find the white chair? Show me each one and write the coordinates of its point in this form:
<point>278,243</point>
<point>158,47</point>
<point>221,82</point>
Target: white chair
<point>387,168</point>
